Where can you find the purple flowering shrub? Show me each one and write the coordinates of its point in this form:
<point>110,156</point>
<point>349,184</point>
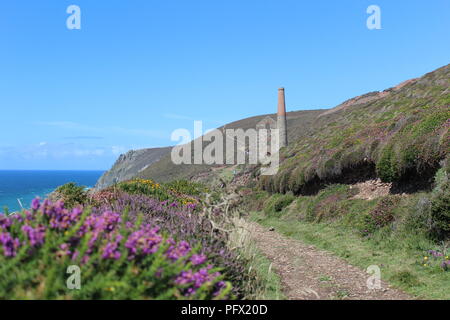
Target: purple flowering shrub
<point>121,255</point>
<point>185,223</point>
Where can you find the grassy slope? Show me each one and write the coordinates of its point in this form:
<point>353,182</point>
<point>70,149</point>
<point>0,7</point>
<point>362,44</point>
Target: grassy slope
<point>164,170</point>
<point>402,132</point>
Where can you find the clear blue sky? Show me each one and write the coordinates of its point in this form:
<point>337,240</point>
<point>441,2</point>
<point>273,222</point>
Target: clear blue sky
<point>137,70</point>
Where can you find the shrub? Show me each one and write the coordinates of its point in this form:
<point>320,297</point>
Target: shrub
<point>71,194</point>
<point>278,202</point>
<point>179,192</point>
<point>324,203</point>
<point>186,187</point>
<point>103,197</point>
<point>382,214</point>
<point>440,206</point>
<point>386,167</point>
<point>119,258</point>
<point>255,201</point>
<point>419,219</point>
<point>182,224</point>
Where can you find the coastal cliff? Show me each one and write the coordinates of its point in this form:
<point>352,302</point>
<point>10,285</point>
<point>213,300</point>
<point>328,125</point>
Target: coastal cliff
<point>130,164</point>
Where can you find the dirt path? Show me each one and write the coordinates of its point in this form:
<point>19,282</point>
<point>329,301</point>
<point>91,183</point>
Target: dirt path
<point>308,273</point>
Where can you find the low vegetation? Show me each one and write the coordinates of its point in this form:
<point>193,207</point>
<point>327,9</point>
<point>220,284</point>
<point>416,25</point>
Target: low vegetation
<point>135,240</point>
<point>180,191</point>
<point>120,257</point>
<point>71,194</point>
<point>127,245</point>
<point>406,235</point>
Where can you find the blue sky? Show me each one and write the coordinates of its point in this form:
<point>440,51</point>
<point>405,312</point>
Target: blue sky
<point>137,70</point>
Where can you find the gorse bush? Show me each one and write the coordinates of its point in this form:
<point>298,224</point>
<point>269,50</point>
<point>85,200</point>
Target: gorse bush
<point>71,194</point>
<point>186,187</point>
<point>119,257</point>
<point>182,192</point>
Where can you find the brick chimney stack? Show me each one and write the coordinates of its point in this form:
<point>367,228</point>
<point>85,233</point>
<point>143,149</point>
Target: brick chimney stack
<point>281,118</point>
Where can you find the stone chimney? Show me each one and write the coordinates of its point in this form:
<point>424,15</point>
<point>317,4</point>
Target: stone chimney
<point>281,118</point>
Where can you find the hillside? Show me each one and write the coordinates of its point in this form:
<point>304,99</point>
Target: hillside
<point>130,164</point>
<point>165,170</point>
<point>400,135</point>
<point>155,163</point>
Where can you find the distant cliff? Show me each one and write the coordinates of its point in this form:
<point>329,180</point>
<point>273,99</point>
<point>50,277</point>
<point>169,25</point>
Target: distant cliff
<point>130,164</point>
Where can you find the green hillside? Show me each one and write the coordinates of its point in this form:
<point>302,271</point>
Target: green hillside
<point>164,170</point>
<point>400,135</point>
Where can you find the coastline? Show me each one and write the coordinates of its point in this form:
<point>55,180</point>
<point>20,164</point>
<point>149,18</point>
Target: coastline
<point>25,185</point>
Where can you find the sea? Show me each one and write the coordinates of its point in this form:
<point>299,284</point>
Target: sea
<point>18,188</point>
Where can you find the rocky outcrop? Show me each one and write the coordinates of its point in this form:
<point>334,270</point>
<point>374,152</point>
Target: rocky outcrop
<point>130,164</point>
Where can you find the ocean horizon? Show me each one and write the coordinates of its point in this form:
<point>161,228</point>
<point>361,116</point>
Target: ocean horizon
<point>19,187</point>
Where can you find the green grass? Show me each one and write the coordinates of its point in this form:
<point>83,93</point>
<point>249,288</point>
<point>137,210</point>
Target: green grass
<point>275,204</point>
<point>271,288</point>
<point>400,260</point>
<point>264,283</point>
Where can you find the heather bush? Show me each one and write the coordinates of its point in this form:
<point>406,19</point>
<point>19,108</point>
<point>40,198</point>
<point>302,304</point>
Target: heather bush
<point>103,197</point>
<point>188,224</point>
<point>324,205</point>
<point>176,208</point>
<point>120,257</point>
<point>383,214</point>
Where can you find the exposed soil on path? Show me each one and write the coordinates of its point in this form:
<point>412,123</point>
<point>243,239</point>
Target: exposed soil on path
<point>308,273</point>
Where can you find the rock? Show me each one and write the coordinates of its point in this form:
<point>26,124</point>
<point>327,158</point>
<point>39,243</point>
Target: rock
<point>129,165</point>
